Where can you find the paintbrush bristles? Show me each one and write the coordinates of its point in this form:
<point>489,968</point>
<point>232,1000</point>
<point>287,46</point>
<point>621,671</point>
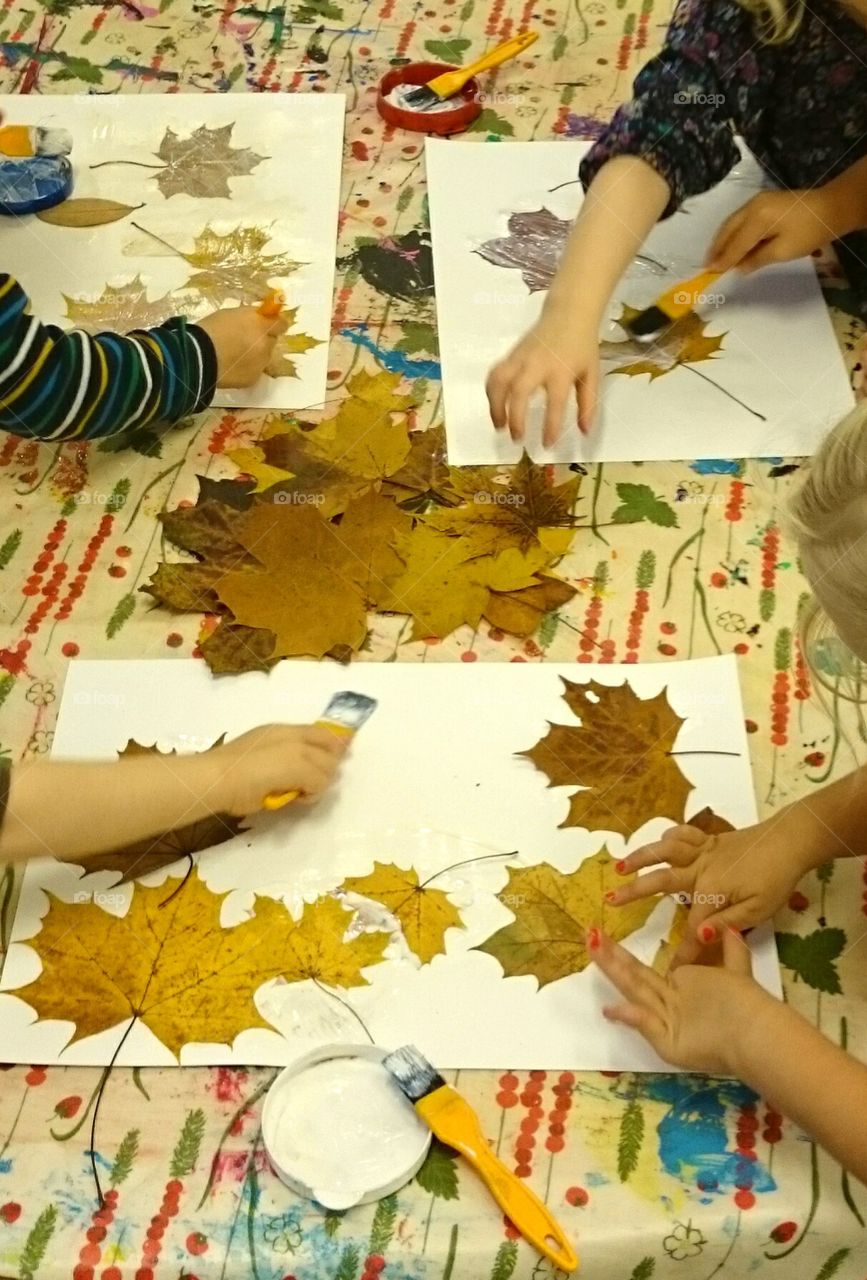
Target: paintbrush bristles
<point>412,1071</point>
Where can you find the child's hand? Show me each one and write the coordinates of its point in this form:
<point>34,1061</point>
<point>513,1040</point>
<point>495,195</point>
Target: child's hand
<point>556,355</point>
<point>244,342</point>
<point>695,1018</point>
<point>274,758</point>
<point>736,880</point>
<point>774,226</point>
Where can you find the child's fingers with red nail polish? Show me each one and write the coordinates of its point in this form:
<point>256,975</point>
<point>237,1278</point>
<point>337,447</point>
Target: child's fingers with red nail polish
<point>665,880</point>
<point>636,981</point>
<point>679,847</point>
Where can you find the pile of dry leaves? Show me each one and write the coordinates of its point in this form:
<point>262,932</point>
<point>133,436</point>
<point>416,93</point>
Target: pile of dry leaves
<point>359,514</point>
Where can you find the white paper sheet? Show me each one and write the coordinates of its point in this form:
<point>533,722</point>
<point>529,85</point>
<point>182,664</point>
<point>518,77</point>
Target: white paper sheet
<point>292,194</point>
<point>432,780</point>
<point>779,356</point>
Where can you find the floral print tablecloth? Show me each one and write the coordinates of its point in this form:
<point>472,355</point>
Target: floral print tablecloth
<point>656,1176</point>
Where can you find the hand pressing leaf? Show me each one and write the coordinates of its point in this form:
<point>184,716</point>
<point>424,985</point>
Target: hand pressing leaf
<point>534,245</point>
<point>525,512</point>
<point>158,851</point>
<point>202,164</point>
<point>520,612</point>
<point>235,267</point>
<point>87,212</point>
<point>621,754</point>
<point>553,912</point>
<point>683,342</point>
<point>121,308</point>
<point>178,970</point>
<point>424,913</point>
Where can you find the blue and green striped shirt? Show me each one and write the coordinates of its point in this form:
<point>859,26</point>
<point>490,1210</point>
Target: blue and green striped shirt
<point>58,385</point>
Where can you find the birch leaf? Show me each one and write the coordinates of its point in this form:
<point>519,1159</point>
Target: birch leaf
<point>86,212</point>
<point>553,912</point>
<point>620,755</point>
<point>235,267</point>
<point>178,970</point>
<point>684,342</point>
<point>424,913</point>
<point>155,852</point>
<point>121,308</point>
<point>202,164</point>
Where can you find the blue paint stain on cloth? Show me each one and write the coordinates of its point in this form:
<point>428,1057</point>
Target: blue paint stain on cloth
<point>393,361</point>
<point>718,466</point>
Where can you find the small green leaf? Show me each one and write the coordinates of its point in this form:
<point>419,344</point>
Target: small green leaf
<point>639,502</point>
<point>561,44</point>
<point>490,122</point>
<point>123,1161</point>
<point>833,1264</point>
<point>418,336</point>
<point>644,1270</point>
<point>384,1223</point>
<point>36,1243</point>
<point>811,958</point>
<point>186,1151</point>
<point>448,50</point>
<point>439,1175</point>
<point>631,1138</point>
<point>10,546</point>
<point>505,1261</point>
<point>123,611</point>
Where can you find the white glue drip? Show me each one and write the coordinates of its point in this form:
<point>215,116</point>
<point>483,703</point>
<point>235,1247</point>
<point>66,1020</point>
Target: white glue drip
<point>343,1128</point>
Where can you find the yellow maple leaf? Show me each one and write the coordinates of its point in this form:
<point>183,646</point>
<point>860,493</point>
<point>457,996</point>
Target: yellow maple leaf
<point>122,308</point>
<point>684,342</point>
<point>281,364</point>
<point>251,460</point>
<point>676,933</point>
<point>620,754</point>
<point>424,914</point>
<point>553,912</point>
<point>234,266</point>
<point>177,969</point>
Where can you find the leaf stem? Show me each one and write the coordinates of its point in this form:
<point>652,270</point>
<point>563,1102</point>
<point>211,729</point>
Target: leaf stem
<point>347,1006</point>
<point>703,753</point>
<point>484,857</point>
<point>153,235</point>
<point>698,373</point>
<point>99,1096</point>
<point>140,164</point>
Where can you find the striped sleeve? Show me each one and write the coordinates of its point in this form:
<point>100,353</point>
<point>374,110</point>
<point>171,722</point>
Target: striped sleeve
<point>57,385</point>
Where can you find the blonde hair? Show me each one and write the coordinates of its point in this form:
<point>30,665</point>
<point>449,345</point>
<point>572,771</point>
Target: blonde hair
<point>776,20</point>
<point>828,516</point>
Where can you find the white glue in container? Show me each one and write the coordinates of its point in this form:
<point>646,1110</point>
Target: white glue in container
<point>338,1129</point>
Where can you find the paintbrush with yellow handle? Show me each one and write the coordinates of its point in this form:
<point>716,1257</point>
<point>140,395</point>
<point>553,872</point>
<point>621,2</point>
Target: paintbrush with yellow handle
<point>344,716</point>
<point>669,307</point>
<point>454,1122</point>
<point>451,82</point>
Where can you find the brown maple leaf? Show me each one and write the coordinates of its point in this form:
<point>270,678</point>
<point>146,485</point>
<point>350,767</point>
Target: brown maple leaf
<point>155,852</point>
<point>534,245</point>
<point>553,912</point>
<point>424,913</point>
<point>620,754</point>
<point>235,267</point>
<point>121,308</point>
<point>202,164</point>
<point>208,530</point>
<point>425,477</point>
<point>231,648</point>
<point>178,970</point>
<point>683,342</point>
<point>520,612</point>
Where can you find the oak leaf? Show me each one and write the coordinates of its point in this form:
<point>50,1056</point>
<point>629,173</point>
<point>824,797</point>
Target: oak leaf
<point>534,245</point>
<point>620,754</point>
<point>155,852</point>
<point>235,266</point>
<point>178,970</point>
<point>203,163</point>
<point>684,342</point>
<point>424,913</point>
<point>553,912</point>
<point>520,612</point>
<point>121,308</point>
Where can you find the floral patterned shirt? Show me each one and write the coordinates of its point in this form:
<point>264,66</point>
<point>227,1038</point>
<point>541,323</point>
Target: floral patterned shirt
<point>801,106</point>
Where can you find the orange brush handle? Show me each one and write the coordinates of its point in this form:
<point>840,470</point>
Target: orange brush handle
<point>271,306</point>
<point>277,799</point>
<point>684,297</point>
<point>454,1122</point>
<point>451,82</point>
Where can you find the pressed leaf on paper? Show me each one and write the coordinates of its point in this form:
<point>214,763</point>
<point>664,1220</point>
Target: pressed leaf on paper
<point>178,969</point>
<point>553,912</point>
<point>202,164</point>
<point>282,363</point>
<point>122,308</point>
<point>424,913</point>
<point>534,246</point>
<point>155,852</point>
<point>89,211</point>
<point>676,933</point>
<point>235,266</point>
<point>620,755</point>
<point>684,342</point>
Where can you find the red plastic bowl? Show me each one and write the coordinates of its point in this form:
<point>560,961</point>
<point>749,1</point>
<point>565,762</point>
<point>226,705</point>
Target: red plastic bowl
<point>467,106</point>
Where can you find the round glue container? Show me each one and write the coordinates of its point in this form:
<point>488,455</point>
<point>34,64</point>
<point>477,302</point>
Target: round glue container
<point>339,1130</point>
<point>452,116</point>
